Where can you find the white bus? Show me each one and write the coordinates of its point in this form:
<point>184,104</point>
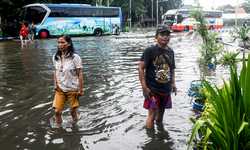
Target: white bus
<point>73,19</point>
<point>181,20</point>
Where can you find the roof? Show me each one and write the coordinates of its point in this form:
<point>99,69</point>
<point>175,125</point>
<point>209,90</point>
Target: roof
<point>171,12</point>
<point>235,16</point>
<point>62,5</point>
<point>68,5</point>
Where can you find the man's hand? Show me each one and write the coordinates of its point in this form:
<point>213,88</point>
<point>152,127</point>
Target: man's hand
<point>174,89</point>
<point>147,91</point>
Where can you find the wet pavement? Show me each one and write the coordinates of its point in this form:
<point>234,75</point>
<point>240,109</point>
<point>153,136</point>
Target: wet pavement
<point>112,116</point>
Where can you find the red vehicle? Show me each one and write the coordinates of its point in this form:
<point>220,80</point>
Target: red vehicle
<point>181,20</point>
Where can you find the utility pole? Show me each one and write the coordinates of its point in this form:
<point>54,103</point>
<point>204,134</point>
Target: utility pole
<point>236,13</point>
<point>157,13</point>
<point>108,3</point>
<point>130,14</point>
<point>152,10</point>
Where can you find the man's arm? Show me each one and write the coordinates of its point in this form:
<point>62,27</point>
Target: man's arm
<point>174,89</point>
<point>142,78</point>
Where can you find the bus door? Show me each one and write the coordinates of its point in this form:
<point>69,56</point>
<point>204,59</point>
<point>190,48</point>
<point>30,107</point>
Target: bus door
<point>106,24</point>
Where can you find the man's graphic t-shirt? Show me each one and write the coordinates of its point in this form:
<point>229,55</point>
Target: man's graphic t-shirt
<point>159,65</point>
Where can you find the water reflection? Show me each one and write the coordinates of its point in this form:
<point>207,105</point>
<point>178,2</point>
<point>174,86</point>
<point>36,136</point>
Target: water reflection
<point>61,138</point>
<point>158,137</point>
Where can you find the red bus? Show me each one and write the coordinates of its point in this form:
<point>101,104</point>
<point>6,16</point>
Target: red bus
<point>181,20</point>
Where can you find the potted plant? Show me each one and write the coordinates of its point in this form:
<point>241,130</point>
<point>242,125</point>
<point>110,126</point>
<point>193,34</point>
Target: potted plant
<point>225,122</point>
<point>210,48</point>
<point>197,93</point>
<point>229,58</point>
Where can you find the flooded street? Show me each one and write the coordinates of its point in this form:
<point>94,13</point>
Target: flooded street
<point>112,116</point>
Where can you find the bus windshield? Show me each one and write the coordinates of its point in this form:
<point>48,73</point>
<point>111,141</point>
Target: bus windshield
<point>34,14</point>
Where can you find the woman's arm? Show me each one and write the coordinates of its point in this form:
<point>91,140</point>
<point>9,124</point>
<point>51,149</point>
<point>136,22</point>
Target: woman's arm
<point>80,77</point>
<point>55,80</point>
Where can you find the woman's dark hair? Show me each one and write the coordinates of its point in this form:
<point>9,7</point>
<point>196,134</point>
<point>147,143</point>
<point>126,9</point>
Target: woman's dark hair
<point>70,51</point>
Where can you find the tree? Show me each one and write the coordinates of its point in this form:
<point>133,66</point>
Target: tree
<point>10,10</point>
<point>246,6</point>
<point>227,8</point>
<point>137,8</point>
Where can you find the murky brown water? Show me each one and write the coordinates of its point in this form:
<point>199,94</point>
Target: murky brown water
<point>112,116</point>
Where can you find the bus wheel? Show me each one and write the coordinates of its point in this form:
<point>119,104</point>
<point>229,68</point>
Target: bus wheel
<point>98,32</point>
<point>43,34</point>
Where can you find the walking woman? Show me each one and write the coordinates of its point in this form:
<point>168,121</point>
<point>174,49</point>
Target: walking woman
<point>23,33</point>
<point>68,78</point>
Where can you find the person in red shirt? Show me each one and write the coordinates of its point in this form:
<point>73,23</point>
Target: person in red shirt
<point>23,33</point>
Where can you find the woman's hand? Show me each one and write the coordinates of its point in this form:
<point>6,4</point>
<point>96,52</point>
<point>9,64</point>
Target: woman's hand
<point>56,87</point>
<point>80,93</point>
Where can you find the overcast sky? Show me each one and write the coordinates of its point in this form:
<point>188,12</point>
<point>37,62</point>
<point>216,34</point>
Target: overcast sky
<point>214,3</point>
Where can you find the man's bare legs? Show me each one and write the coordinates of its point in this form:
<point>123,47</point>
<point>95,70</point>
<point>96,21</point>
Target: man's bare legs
<point>154,115</point>
<point>150,118</point>
<point>159,115</point>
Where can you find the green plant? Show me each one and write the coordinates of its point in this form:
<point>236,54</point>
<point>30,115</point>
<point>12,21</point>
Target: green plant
<point>225,123</point>
<point>229,58</point>
<point>242,34</point>
<point>210,48</point>
<point>201,27</point>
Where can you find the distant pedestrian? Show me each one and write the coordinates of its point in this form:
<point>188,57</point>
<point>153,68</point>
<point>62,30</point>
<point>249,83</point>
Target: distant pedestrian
<point>23,33</point>
<point>157,76</point>
<point>32,31</point>
<point>116,30</point>
<point>68,78</point>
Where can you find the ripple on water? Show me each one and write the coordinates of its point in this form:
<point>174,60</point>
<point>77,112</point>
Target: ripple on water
<point>5,112</point>
<point>41,105</point>
<point>112,116</point>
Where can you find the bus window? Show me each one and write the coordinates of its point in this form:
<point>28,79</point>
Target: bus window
<point>87,12</point>
<point>111,12</point>
<point>57,12</point>
<point>72,12</point>
<point>179,18</point>
<point>211,14</point>
<point>35,14</point>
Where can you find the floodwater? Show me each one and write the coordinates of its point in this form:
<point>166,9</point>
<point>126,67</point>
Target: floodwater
<point>112,116</point>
